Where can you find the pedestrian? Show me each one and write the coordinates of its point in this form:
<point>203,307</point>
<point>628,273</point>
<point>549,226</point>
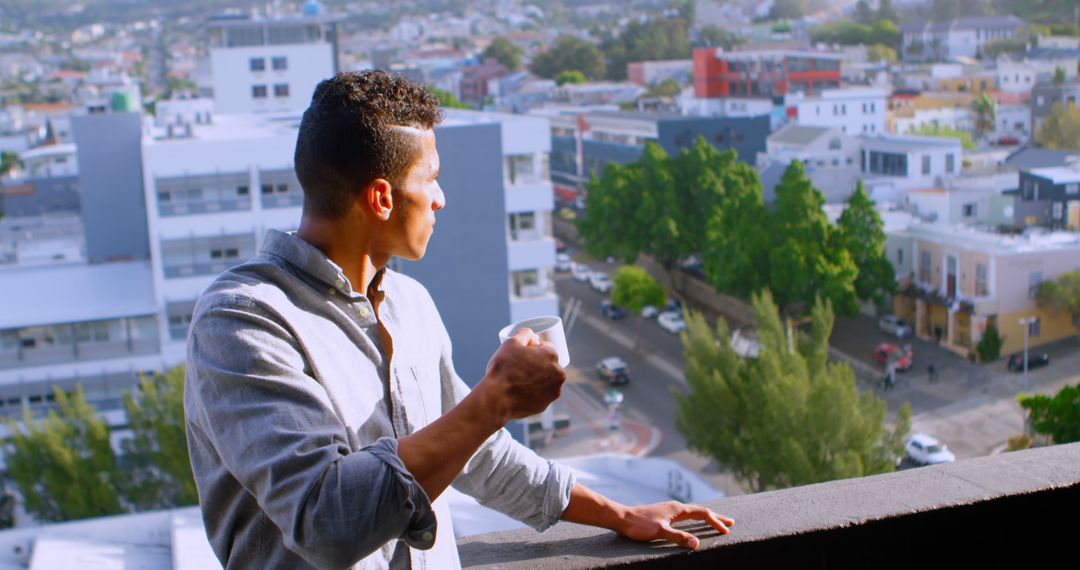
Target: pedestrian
<point>931,373</point>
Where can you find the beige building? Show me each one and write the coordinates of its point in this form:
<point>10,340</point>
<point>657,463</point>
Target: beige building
<point>959,279</point>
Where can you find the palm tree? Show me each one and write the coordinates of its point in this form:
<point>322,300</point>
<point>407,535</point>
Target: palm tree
<point>984,109</point>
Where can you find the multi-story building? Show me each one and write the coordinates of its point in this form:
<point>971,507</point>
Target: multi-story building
<point>1044,96</point>
<point>908,162</point>
<point>583,143</point>
<point>1049,197</point>
<point>831,158</point>
<point>946,40</point>
<point>474,80</point>
<point>1014,77</point>
<point>958,280</point>
<point>647,73</point>
<point>270,64</point>
<point>852,110</point>
<point>764,73</point>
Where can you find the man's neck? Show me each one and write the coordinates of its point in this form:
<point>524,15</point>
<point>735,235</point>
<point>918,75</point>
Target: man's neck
<point>348,245</point>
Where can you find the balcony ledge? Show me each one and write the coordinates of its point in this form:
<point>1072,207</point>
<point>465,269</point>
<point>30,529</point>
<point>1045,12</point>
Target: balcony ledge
<point>985,510</point>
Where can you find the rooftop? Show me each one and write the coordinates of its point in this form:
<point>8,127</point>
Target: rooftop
<point>48,295</point>
<point>907,143</point>
<point>967,237</point>
<point>1059,174</point>
<point>800,135</point>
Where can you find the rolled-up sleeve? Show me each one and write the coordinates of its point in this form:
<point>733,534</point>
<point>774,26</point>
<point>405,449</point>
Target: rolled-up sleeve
<point>503,474</point>
<point>265,423</point>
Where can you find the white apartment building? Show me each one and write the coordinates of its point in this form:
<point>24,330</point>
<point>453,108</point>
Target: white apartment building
<point>1014,77</point>
<point>852,110</point>
<point>270,65</point>
<point>893,165</point>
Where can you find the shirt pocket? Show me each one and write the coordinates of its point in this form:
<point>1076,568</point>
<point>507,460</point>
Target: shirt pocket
<point>420,394</point>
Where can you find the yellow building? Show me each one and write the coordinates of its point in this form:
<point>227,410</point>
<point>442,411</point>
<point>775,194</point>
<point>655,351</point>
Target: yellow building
<point>959,280</point>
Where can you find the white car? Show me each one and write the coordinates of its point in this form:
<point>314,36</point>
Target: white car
<point>649,312</point>
<point>925,450</point>
<point>895,326</point>
<point>580,271</point>
<point>600,281</point>
<point>562,262</point>
<point>672,322</point>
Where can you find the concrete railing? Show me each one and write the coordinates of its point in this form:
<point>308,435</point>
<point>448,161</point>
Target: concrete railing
<point>980,512</point>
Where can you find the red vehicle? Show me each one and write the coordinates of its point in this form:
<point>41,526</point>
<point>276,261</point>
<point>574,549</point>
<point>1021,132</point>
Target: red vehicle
<point>887,351</point>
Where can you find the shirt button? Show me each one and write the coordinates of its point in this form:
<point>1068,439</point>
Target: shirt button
<point>339,283</point>
<point>427,536</point>
<point>363,310</point>
<point>332,290</point>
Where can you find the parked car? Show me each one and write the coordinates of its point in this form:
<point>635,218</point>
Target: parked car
<point>614,370</point>
<point>560,246</point>
<point>895,326</point>
<point>610,311</point>
<point>562,262</point>
<point>599,281</point>
<point>580,271</point>
<point>925,450</point>
<point>903,357</point>
<point>1016,361</point>
<point>672,322</point>
<point>649,312</point>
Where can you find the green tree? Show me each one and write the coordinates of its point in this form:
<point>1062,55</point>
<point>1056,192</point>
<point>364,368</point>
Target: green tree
<point>985,113</point>
<point>634,289</point>
<point>447,100</point>
<point>1057,417</point>
<point>505,52</point>
<point>712,36</point>
<point>570,52</point>
<point>735,248</point>
<point>654,39</point>
<point>789,417</point>
<point>613,220</point>
<point>787,10</point>
<point>571,76</point>
<point>863,235</point>
<point>989,347</point>
<point>9,161</point>
<point>667,88</point>
<point>1060,130</point>
<point>160,474</point>
<point>63,464</point>
<point>1059,76</point>
<point>806,258</point>
<point>880,52</point>
<point>1061,296</point>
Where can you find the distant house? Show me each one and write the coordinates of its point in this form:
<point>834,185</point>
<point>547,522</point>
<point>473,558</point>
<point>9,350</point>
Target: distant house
<point>1050,197</point>
<point>962,37</point>
<point>1045,95</point>
<point>831,158</point>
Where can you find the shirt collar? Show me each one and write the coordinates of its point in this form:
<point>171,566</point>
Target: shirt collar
<point>312,261</point>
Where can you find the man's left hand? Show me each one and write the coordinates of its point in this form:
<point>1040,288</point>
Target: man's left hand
<point>652,522</point>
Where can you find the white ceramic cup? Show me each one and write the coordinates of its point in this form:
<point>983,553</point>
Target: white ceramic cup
<point>549,329</point>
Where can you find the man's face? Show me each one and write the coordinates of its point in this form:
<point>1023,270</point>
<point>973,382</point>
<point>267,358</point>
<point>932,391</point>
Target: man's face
<point>418,196</point>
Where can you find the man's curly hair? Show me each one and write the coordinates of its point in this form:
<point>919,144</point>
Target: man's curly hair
<point>349,136</point>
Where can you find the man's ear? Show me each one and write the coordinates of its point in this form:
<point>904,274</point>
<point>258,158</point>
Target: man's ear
<point>378,196</point>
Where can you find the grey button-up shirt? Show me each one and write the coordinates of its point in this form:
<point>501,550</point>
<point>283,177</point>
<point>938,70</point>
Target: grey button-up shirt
<point>293,411</point>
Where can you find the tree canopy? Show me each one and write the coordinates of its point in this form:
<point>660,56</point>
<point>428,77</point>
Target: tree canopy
<point>863,236</point>
<point>505,52</point>
<point>447,100</point>
<point>1061,295</point>
<point>789,417</point>
<point>570,53</point>
<point>635,289</point>
<point>653,39</point>
<point>1060,130</point>
<point>1057,416</point>
<point>63,464</point>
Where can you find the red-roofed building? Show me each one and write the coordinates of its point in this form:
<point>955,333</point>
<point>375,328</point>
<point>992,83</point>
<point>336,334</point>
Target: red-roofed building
<point>764,73</point>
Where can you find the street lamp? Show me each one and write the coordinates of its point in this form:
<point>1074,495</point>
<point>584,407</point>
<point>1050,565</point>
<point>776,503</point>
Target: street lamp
<point>1026,323</point>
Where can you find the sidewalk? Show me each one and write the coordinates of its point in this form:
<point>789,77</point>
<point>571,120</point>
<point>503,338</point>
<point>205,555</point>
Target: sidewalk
<point>589,432</point>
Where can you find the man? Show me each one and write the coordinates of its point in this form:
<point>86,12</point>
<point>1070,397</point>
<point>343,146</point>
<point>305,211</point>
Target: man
<point>324,414</point>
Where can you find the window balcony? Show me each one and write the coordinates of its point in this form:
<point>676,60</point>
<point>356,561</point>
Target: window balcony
<point>976,510</point>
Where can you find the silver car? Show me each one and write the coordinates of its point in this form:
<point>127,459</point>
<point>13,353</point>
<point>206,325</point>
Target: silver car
<point>895,326</point>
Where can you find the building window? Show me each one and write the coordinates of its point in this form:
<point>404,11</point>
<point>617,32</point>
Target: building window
<point>980,280</point>
<point>970,210</point>
<point>1034,279</point>
<point>281,90</point>
<point>279,63</point>
<point>257,64</point>
<point>924,266</point>
<point>241,190</point>
<point>258,91</point>
<point>926,165</point>
<point>899,257</point>
<point>267,188</point>
<point>282,188</point>
<point>950,163</point>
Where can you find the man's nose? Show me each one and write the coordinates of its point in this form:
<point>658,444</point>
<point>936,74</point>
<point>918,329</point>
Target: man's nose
<point>440,199</point>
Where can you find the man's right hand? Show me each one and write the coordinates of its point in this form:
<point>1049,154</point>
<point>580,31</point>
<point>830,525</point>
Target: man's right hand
<point>523,377</point>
